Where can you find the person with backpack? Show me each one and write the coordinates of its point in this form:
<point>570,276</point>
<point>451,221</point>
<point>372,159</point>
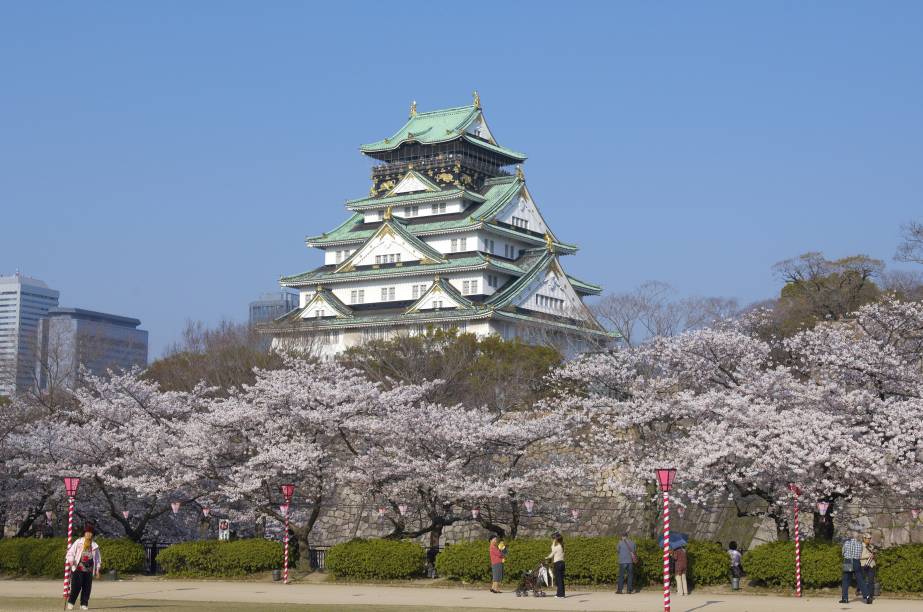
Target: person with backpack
<point>628,556</point>
<point>85,561</point>
<point>737,568</point>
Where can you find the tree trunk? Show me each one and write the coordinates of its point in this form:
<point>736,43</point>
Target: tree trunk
<point>823,525</point>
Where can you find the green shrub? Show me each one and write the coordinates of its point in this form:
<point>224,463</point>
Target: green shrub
<point>216,558</point>
<point>589,561</point>
<point>377,559</point>
<point>901,568</point>
<point>123,555</point>
<point>773,564</point>
<point>33,557</point>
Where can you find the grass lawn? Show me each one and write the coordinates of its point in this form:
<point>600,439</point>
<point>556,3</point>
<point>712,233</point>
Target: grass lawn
<point>29,604</point>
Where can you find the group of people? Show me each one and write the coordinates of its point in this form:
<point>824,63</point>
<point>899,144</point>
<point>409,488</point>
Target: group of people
<point>858,565</point>
<point>627,552</point>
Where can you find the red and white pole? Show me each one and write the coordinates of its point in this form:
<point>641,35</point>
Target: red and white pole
<point>666,551</point>
<point>288,490</point>
<point>70,535</point>
<point>795,492</point>
<point>71,483</point>
<point>285,569</point>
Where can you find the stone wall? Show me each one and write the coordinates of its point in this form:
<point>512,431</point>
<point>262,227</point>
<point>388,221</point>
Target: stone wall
<point>606,513</point>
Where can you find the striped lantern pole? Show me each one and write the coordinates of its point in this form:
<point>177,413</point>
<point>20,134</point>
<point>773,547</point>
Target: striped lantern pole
<point>287,491</point>
<point>795,492</point>
<point>665,480</point>
<point>70,484</point>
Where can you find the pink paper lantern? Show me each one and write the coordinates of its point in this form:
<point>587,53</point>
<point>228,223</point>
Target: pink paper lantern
<point>822,507</point>
<point>402,508</point>
<point>125,514</point>
<point>70,484</point>
<point>206,511</point>
<point>49,515</point>
<point>284,509</point>
<point>475,513</point>
<point>175,506</point>
<point>287,491</point>
<point>530,504</point>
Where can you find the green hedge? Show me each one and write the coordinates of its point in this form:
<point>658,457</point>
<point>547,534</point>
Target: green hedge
<point>216,558</point>
<point>901,568</point>
<point>376,559</point>
<point>773,564</point>
<point>34,557</point>
<point>589,561</point>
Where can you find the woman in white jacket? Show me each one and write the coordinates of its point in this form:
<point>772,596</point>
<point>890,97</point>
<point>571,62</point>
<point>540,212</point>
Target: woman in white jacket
<point>84,560</point>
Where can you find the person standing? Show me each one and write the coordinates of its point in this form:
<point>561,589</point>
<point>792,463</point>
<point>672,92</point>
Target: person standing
<point>867,561</point>
<point>496,565</point>
<point>681,561</point>
<point>737,568</point>
<point>557,557</point>
<point>852,567</point>
<point>628,556</point>
<point>85,561</point>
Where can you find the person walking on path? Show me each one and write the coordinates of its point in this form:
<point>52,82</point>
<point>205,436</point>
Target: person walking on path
<point>557,557</point>
<point>496,565</point>
<point>85,561</point>
<point>628,556</point>
<point>867,561</point>
<point>852,567</point>
<point>681,561</point>
<point>737,568</point>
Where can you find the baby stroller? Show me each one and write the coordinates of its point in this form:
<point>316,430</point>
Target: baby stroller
<point>535,581</point>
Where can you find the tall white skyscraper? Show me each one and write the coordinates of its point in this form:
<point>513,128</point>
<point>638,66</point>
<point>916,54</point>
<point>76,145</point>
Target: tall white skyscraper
<point>23,302</point>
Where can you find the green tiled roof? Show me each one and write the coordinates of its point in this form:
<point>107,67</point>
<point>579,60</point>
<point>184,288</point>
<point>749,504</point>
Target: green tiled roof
<point>326,274</point>
<point>497,196</point>
<point>583,286</point>
<point>437,126</point>
<point>421,197</point>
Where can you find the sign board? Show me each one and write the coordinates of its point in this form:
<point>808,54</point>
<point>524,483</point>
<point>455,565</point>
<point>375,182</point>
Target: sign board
<point>224,529</point>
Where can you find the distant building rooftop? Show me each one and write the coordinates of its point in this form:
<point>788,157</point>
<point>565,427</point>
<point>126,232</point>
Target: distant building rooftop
<point>92,315</point>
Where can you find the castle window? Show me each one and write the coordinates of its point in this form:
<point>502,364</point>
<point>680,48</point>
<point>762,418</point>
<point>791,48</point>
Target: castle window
<point>387,294</point>
<point>520,222</point>
<point>439,208</point>
<point>357,296</point>
<point>411,211</point>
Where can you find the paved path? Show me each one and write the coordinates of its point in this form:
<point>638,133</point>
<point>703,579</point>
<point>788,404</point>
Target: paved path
<point>404,597</point>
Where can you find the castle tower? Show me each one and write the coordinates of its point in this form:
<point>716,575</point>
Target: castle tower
<point>449,236</point>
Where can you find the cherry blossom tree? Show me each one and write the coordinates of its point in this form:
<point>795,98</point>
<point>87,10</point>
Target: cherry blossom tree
<point>125,437</point>
<point>299,424</point>
<point>836,411</point>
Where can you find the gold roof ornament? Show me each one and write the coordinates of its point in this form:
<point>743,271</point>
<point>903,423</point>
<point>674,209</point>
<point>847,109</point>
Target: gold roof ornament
<point>477,99</point>
<point>388,214</point>
<point>520,174</point>
<point>549,243</point>
<point>413,108</point>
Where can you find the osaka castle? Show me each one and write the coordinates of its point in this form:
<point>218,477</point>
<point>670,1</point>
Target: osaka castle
<point>448,236</point>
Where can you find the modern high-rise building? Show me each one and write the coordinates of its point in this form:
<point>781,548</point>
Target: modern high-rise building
<point>271,306</point>
<point>69,338</point>
<point>24,302</point>
<point>449,236</point>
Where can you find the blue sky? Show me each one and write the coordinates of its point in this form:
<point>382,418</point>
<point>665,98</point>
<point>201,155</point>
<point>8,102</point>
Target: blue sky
<point>165,160</point>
